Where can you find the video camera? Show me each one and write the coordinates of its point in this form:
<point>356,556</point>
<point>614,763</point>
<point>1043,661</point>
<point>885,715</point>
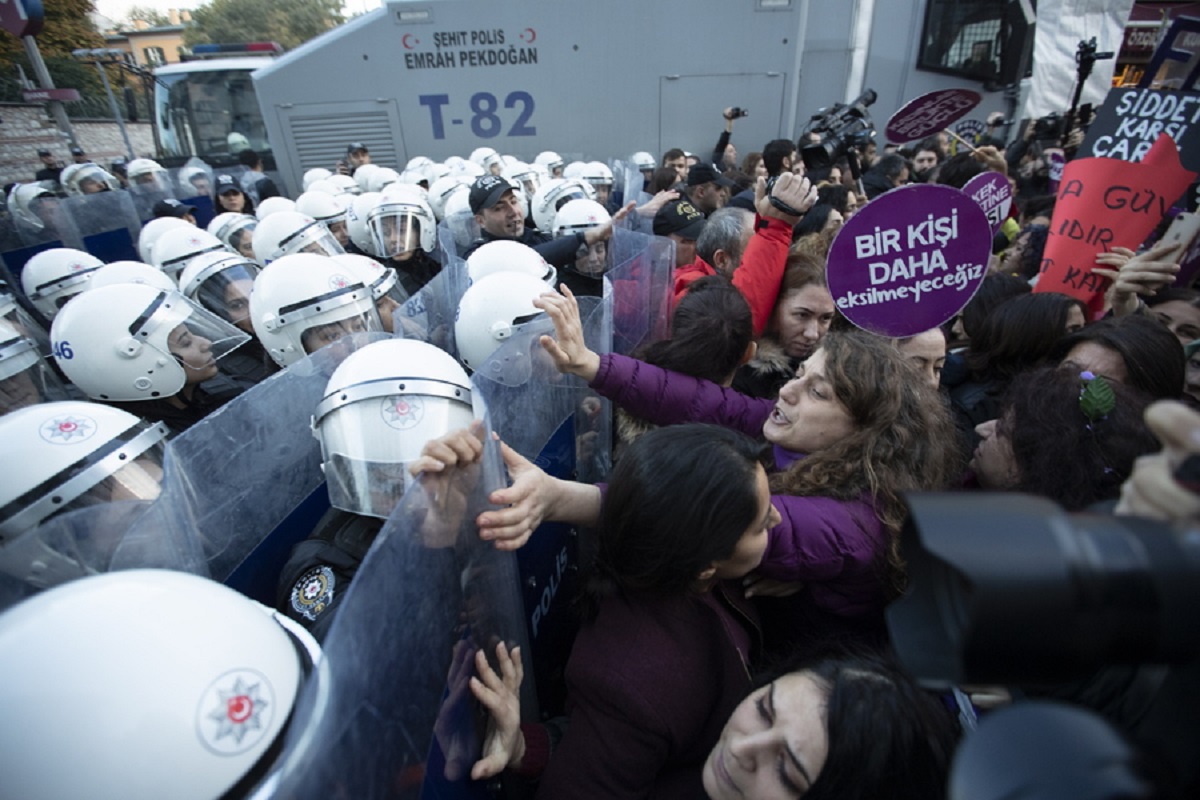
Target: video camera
<point>841,127</point>
<point>1009,589</point>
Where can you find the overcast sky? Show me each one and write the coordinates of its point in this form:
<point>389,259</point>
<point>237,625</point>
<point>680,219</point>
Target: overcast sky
<point>116,10</point>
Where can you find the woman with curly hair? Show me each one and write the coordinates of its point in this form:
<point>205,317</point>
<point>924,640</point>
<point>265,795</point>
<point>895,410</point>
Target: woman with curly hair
<point>854,430</point>
<point>1050,440</point>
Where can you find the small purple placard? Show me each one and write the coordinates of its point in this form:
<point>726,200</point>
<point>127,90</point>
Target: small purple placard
<point>993,193</point>
<point>909,260</point>
<point>930,113</point>
<point>1055,163</point>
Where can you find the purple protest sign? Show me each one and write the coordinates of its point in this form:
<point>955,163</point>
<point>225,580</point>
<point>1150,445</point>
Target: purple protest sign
<point>993,193</point>
<point>909,260</point>
<point>930,113</point>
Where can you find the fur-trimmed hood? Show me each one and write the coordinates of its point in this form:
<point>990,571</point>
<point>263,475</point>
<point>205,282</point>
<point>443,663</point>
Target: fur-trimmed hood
<point>770,359</point>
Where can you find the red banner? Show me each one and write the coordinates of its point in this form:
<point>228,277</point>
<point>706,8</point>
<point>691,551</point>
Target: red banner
<point>1105,203</point>
<point>44,95</point>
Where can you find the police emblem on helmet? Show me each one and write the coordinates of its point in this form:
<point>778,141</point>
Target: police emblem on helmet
<point>67,430</point>
<point>401,412</point>
<point>235,711</point>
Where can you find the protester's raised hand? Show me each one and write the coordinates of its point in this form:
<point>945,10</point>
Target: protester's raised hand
<point>794,191</point>
<point>1134,275</point>
<point>657,202</point>
<point>602,233</point>
<point>503,744</point>
<point>1151,489</point>
<point>527,502</point>
<point>991,158</point>
<point>567,347</point>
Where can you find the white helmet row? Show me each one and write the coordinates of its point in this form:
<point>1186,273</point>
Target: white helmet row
<point>184,676</point>
<point>302,302</point>
<point>313,175</point>
<point>133,342</point>
<point>52,277</point>
<point>323,206</point>
<point>550,160</point>
<point>147,175</point>
<point>119,272</point>
<point>381,405</point>
<point>71,454</point>
<point>289,232</point>
<point>441,191</point>
<point>273,205</point>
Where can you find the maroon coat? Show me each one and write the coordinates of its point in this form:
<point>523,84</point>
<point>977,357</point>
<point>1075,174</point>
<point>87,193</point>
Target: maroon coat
<point>651,685</point>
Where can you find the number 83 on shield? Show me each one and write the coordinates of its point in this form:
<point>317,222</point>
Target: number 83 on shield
<point>488,115</point>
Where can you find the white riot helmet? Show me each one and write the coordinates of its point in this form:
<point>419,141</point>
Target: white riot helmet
<point>441,190</point>
<point>24,200</point>
<point>222,283</point>
<point>25,377</point>
<point>235,230</point>
<point>147,175</point>
<point>491,312</point>
<point>322,207</point>
<point>382,404</point>
<point>176,247</point>
<point>578,216</point>
<point>313,175</point>
<point>574,169</point>
<point>214,678</point>
<point>304,301</point>
<point>54,276</point>
<point>418,162</point>
<point>88,178</point>
<point>643,160</point>
<point>131,272</point>
<point>273,205</point>
<point>505,255</point>
<point>597,173</point>
<point>553,195</point>
<point>480,154</point>
<point>345,184</point>
<point>237,142</point>
<point>383,283</point>
<point>493,162</point>
<point>154,229</point>
<point>410,177</point>
<point>134,342</point>
<point>550,160</point>
<point>528,177</point>
<point>434,172</point>
<point>380,178</point>
<point>72,454</point>
<point>189,174</point>
<point>363,173</point>
<point>291,232</point>
<point>458,203</point>
<point>356,220</point>
<point>401,224</point>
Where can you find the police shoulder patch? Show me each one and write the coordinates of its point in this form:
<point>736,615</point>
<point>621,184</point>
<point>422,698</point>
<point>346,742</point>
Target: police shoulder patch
<point>313,592</point>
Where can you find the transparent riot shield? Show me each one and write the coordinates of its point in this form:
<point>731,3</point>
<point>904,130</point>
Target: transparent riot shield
<point>389,713</point>
<point>107,222</point>
<point>640,280</point>
<point>230,480</point>
<point>457,232</point>
<point>430,313</point>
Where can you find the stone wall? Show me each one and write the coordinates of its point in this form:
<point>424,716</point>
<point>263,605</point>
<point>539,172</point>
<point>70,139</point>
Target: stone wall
<point>26,128</point>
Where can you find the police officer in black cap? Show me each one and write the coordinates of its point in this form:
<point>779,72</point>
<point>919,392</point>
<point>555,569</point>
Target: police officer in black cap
<point>50,170</point>
<point>500,212</point>
<point>357,154</point>
<point>78,156</point>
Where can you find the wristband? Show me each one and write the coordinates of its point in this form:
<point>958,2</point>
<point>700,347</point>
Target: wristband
<point>784,207</point>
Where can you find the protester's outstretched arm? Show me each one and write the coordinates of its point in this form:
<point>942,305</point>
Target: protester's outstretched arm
<point>1134,275</point>
<point>504,744</point>
<point>1152,489</point>
<point>533,498</point>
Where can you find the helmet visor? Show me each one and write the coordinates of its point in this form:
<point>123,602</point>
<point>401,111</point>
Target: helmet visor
<point>369,443</point>
<point>226,291</point>
<point>195,337</point>
<point>314,238</point>
<point>25,377</point>
<point>395,233</point>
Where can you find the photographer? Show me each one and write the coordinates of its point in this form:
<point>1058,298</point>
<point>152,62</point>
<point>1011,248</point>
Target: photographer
<point>724,155</point>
